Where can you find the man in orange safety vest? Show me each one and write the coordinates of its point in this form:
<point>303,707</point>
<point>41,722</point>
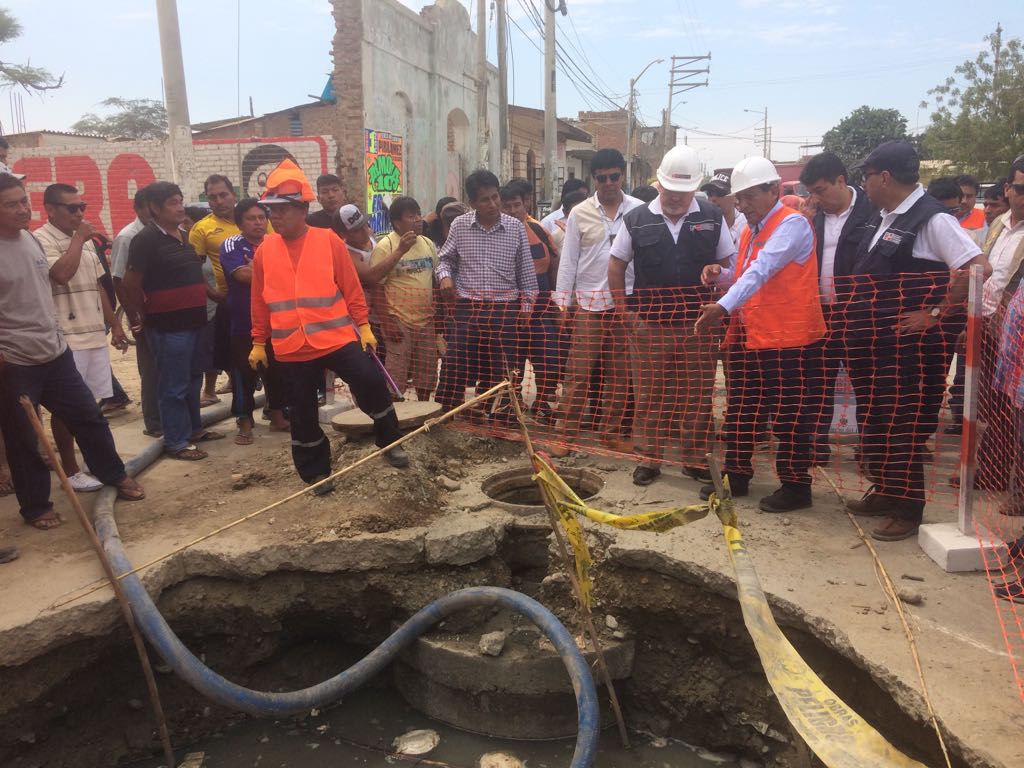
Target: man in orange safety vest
<point>307,300</point>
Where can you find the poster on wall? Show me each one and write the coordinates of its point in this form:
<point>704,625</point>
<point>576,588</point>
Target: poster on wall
<point>383,176</point>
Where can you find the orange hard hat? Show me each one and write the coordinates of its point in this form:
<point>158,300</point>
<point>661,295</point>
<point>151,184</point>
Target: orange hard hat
<point>287,184</point>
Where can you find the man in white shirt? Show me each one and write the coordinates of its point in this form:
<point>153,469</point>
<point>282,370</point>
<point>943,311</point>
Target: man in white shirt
<point>558,215</point>
<point>901,287</point>
<point>83,309</point>
<point>596,338</point>
<point>719,192</point>
<point>668,242</point>
<point>839,224</point>
<point>143,354</point>
<point>1004,249</point>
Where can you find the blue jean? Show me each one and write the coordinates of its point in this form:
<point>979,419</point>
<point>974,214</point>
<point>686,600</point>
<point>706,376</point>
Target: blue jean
<point>179,381</point>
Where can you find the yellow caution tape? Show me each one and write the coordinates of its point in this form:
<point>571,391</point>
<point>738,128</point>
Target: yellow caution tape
<point>836,733</point>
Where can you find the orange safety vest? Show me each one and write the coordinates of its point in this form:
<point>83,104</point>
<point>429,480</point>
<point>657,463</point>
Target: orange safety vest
<point>974,220</point>
<point>786,312</point>
<point>307,311</point>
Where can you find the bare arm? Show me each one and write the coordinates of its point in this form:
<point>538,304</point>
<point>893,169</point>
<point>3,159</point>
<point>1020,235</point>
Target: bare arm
<point>134,299</point>
<point>243,275</point>
<point>617,282</point>
<point>66,266</point>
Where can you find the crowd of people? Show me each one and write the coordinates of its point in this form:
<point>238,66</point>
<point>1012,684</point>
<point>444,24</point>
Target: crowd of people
<point>618,308</point>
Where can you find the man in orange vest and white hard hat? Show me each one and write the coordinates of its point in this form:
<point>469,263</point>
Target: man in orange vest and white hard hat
<point>774,342</point>
<point>306,299</point>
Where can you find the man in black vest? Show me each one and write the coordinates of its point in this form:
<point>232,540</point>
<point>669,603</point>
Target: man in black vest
<point>842,214</point>
<point>900,289</point>
<point>670,241</point>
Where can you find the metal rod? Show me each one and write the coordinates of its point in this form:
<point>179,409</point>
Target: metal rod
<point>126,610</point>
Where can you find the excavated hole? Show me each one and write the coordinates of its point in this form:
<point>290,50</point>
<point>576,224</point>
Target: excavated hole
<point>516,490</point>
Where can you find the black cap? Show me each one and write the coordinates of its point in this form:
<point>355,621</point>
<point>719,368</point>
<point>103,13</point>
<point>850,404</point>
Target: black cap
<point>894,157</point>
<point>718,185</point>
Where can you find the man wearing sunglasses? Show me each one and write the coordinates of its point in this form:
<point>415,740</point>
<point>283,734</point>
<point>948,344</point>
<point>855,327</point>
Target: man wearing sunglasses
<point>910,271</point>
<point>583,277</point>
<point>83,309</point>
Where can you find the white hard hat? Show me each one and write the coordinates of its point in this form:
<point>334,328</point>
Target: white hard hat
<point>753,171</point>
<point>680,170</point>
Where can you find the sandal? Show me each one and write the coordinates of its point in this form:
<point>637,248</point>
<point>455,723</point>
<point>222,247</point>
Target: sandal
<point>129,490</point>
<point>241,439</point>
<point>46,521</point>
<point>206,436</point>
<point>188,453</point>
<point>206,400</point>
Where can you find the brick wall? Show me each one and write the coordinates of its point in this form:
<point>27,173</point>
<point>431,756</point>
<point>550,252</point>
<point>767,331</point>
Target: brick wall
<point>109,173</point>
<point>348,121</point>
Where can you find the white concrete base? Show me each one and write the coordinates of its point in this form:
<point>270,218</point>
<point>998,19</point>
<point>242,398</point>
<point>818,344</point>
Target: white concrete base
<point>329,411</point>
<point>955,552</point>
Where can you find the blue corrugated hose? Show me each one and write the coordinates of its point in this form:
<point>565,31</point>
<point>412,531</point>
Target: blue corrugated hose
<point>268,704</point>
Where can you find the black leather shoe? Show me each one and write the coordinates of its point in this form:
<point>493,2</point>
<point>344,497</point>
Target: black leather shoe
<point>698,473</point>
<point>788,498</point>
<point>397,457</point>
<point>324,489</point>
<point>645,475</point>
<point>739,487</point>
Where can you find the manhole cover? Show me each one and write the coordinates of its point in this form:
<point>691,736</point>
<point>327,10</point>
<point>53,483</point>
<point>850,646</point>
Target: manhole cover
<point>515,489</point>
<point>411,414</point>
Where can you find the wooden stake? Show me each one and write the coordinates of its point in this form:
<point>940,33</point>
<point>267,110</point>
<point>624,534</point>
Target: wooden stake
<point>126,609</point>
<point>588,619</point>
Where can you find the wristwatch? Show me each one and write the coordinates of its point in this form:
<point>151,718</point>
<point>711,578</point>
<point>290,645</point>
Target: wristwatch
<point>935,312</point>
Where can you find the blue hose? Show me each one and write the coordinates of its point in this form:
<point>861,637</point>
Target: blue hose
<point>273,704</point>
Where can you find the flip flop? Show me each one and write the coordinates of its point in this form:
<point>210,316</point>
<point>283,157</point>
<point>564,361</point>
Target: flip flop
<point>46,521</point>
<point>188,453</point>
<point>132,493</point>
<point>243,439</point>
<point>206,436</point>
<point>206,400</point>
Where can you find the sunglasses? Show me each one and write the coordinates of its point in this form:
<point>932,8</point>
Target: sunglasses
<point>605,177</point>
<point>73,207</point>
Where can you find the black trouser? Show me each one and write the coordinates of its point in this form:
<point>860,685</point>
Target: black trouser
<point>784,385</point>
<point>479,331</point>
<point>59,388</point>
<point>311,451</point>
<point>222,339</point>
<point>148,377</point>
<point>243,380</point>
<point>833,359</point>
<point>899,382</point>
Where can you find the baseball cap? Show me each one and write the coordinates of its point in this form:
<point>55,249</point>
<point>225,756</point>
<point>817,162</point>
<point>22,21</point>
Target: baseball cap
<point>351,218</point>
<point>892,156</point>
<point>718,185</point>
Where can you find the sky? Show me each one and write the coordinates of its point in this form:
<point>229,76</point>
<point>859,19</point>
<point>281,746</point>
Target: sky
<point>808,62</point>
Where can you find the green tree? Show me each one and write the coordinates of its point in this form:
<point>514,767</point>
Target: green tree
<point>861,131</point>
<point>133,119</point>
<point>978,118</point>
<point>25,75</point>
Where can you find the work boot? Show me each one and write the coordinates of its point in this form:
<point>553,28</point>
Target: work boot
<point>739,486</point>
<point>324,489</point>
<point>1011,590</point>
<point>896,529</point>
<point>397,457</point>
<point>698,473</point>
<point>645,475</point>
<point>871,504</point>
<point>789,498</point>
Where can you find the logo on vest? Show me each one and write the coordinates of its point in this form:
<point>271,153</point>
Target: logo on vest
<point>707,226</point>
<point>892,237</point>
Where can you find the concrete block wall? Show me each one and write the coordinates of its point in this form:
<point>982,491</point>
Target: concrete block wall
<point>108,173</point>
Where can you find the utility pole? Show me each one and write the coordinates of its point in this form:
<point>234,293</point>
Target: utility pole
<point>630,118</point>
<point>679,81</point>
<point>179,144</point>
<point>550,100</point>
<point>482,129</point>
<point>997,47</point>
<point>766,132</point>
<point>503,126</point>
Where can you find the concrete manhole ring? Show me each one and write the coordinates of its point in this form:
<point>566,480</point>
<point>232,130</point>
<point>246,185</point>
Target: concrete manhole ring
<point>411,414</point>
<point>516,491</point>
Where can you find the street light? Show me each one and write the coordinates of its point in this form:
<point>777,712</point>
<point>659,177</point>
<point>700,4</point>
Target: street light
<point>629,123</point>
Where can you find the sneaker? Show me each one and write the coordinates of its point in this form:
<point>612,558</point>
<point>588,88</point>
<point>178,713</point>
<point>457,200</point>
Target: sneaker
<point>84,483</point>
<point>645,475</point>
<point>397,457</point>
<point>325,489</point>
<point>788,498</point>
<point>738,486</point>
<point>110,405</point>
<point>698,473</point>
<point>895,529</point>
<point>1011,590</point>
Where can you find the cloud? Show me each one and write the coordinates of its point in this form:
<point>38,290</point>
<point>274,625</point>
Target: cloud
<point>812,7</point>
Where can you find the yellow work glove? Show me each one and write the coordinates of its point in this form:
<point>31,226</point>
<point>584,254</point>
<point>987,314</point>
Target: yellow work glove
<point>258,355</point>
<point>366,337</point>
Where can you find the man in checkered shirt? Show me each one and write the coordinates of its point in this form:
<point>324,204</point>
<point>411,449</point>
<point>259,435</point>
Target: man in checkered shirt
<point>486,270</point>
